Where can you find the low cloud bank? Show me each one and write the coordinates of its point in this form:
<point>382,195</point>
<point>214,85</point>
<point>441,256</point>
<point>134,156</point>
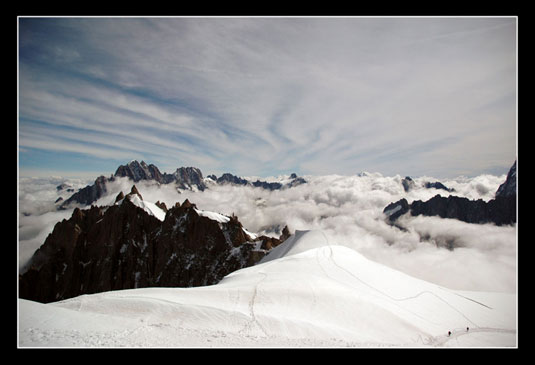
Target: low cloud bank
<point>348,209</point>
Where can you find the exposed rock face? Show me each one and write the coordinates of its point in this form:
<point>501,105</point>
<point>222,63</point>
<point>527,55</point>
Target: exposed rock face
<point>87,195</point>
<point>438,185</point>
<point>267,185</point>
<point>231,179</point>
<point>123,247</point>
<point>65,187</point>
<point>228,178</point>
<point>285,234</point>
<point>407,183</point>
<point>140,171</point>
<point>267,243</point>
<point>296,181</point>
<point>395,210</point>
<point>500,211</point>
<point>188,177</point>
<point>161,205</point>
<point>95,250</point>
<point>184,178</point>
<point>508,188</point>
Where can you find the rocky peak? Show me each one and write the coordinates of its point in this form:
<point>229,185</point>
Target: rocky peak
<point>186,204</point>
<point>119,197</point>
<point>161,205</point>
<point>500,211</point>
<point>395,210</point>
<point>508,188</point>
<point>139,171</point>
<point>267,185</point>
<point>188,177</point>
<point>408,183</point>
<point>124,247</point>
<point>438,185</point>
<point>228,178</point>
<point>87,195</point>
<point>134,191</point>
<point>267,243</point>
<point>285,234</point>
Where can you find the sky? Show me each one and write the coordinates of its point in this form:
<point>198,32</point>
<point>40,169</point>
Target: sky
<point>264,96</point>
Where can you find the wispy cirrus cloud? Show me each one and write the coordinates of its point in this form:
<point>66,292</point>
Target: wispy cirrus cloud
<point>262,96</point>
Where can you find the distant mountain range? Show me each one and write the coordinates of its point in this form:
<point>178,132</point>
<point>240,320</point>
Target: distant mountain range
<point>501,210</point>
<point>186,178</point>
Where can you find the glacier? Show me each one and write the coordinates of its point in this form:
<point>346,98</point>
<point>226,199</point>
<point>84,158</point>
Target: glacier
<point>312,293</point>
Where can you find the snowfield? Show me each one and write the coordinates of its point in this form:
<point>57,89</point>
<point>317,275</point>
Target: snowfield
<point>308,292</point>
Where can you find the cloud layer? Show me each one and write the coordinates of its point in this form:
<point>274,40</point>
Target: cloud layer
<point>269,95</point>
<point>349,210</point>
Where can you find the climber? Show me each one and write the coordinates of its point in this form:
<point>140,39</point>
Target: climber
<point>449,333</point>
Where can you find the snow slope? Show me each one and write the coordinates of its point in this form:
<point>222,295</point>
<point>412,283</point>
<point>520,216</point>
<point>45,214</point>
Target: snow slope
<point>309,294</point>
<point>148,207</point>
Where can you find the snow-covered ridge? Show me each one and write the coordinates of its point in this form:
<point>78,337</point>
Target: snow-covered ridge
<point>315,294</point>
<point>213,216</point>
<point>148,207</point>
<point>159,213</point>
<point>220,218</point>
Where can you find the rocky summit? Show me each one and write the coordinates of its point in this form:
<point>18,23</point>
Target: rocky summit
<point>122,246</point>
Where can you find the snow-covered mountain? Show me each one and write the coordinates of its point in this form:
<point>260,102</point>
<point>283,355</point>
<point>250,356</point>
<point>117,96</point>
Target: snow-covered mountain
<point>308,292</point>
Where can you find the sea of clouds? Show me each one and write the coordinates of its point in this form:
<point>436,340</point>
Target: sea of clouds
<point>448,252</point>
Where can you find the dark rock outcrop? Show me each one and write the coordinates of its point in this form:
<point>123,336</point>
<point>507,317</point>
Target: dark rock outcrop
<point>508,188</point>
<point>123,247</point>
<point>161,205</point>
<point>228,178</point>
<point>137,171</point>
<point>296,181</point>
<point>231,179</point>
<point>267,185</point>
<point>438,185</point>
<point>189,177</point>
<point>267,243</point>
<point>64,187</point>
<point>408,183</point>
<point>87,195</point>
<point>119,197</point>
<point>395,210</point>
<point>501,210</point>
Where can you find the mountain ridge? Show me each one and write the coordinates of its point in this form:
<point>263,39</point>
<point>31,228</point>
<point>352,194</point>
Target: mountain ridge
<point>501,210</point>
<point>185,178</point>
<point>130,245</point>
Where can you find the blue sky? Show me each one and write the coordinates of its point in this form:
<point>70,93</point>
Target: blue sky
<point>268,95</point>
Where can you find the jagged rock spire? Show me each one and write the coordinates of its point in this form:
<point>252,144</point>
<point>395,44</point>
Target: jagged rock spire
<point>119,197</point>
<point>135,191</point>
